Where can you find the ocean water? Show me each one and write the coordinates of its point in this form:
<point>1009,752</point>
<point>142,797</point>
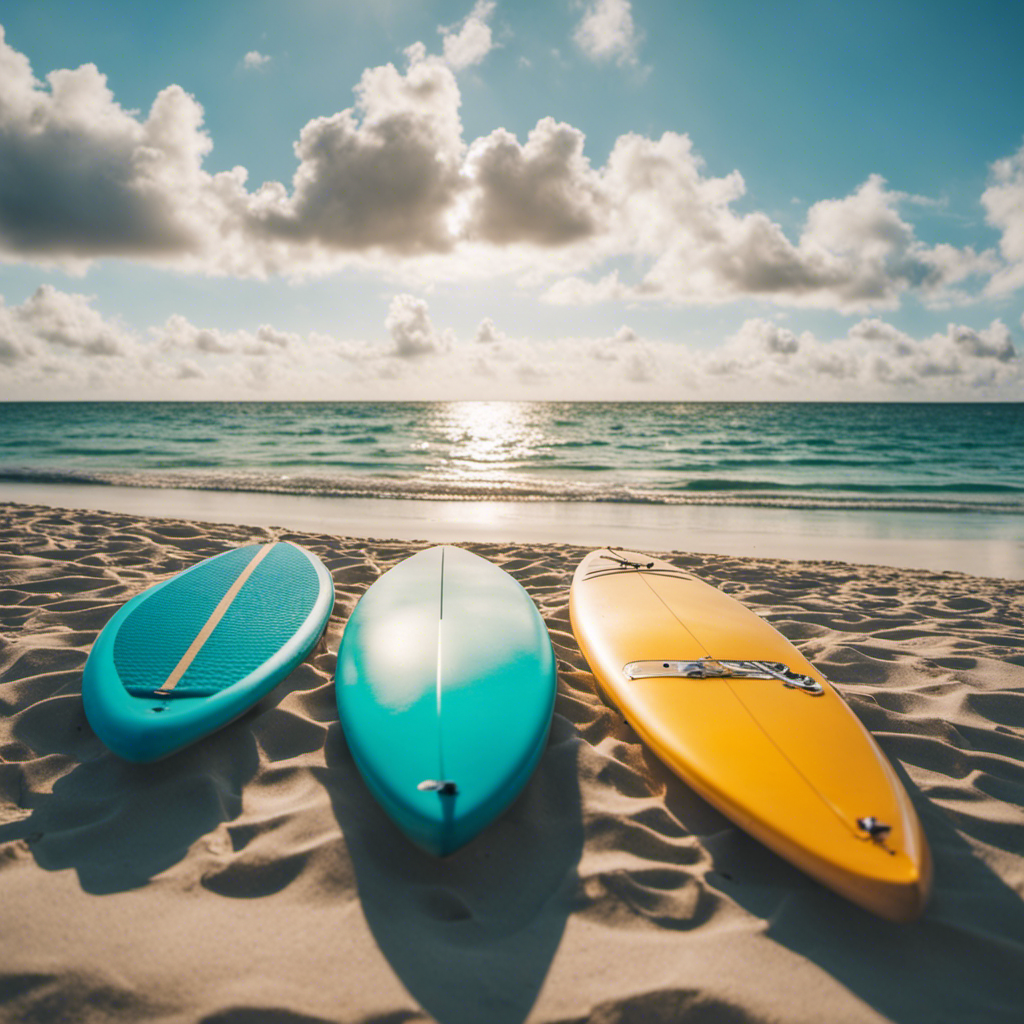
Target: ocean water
<point>960,459</point>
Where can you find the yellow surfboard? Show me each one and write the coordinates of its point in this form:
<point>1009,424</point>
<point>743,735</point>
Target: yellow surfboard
<point>734,709</point>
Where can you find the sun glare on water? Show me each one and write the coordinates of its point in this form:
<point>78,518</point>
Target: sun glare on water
<point>483,441</point>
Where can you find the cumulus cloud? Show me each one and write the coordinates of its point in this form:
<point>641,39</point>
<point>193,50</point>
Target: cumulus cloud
<point>854,254</point>
<point>576,291</point>
<point>13,347</point>
<point>758,349</point>
<point>391,183</point>
<point>384,174</point>
<point>254,60</point>
<point>993,343</point>
<point>640,368</point>
<point>188,369</point>
<point>487,333</point>
<point>473,41</point>
<point>625,356</point>
<point>874,358</point>
<point>268,338</point>
<point>82,177</point>
<point>56,344</point>
<point>59,321</point>
<point>606,31</point>
<point>179,335</point>
<point>10,351</point>
<point>544,192</point>
<point>413,335</point>
<point>1004,207</point>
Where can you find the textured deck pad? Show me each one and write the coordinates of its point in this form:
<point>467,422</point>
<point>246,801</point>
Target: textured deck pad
<point>268,609</point>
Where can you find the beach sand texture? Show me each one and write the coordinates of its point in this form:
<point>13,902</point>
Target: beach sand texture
<point>252,878</point>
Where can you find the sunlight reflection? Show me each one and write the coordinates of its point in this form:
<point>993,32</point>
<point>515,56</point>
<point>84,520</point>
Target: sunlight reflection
<point>483,440</point>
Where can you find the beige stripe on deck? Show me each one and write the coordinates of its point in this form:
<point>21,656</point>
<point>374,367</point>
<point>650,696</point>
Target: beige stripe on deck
<point>216,615</point>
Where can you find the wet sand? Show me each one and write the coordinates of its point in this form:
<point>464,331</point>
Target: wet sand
<point>981,544</point>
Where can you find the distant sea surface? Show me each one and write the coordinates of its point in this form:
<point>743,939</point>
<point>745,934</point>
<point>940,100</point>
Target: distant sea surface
<point>943,458</point>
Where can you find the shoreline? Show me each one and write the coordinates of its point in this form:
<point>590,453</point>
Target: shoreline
<point>990,545</point>
<point>252,876</point>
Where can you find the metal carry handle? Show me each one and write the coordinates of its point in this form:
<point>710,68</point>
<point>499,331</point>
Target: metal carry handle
<point>715,668</point>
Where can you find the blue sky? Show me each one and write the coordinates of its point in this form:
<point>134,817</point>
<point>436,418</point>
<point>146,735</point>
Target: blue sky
<point>582,199</point>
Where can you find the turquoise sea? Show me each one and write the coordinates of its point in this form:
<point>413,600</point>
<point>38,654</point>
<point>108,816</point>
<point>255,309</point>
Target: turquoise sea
<point>935,486</point>
<point>954,459</point>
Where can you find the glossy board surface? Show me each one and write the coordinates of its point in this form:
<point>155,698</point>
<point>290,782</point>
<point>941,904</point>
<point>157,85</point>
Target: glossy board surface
<point>445,686</point>
<point>792,766</point>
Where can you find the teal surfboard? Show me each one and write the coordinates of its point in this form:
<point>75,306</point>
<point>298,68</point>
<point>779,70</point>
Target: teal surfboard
<point>194,652</point>
<point>446,687</point>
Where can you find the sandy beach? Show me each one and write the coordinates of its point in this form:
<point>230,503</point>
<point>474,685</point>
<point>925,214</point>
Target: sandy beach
<point>252,878</point>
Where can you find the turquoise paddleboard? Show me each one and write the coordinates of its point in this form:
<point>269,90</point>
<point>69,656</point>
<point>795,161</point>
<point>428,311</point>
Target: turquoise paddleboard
<point>446,686</point>
<point>194,652</point>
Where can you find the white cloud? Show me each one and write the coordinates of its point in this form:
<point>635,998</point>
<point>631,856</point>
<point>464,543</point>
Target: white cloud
<point>606,31</point>
<point>874,359</point>
<point>56,320</point>
<point>640,368</point>
<point>854,254</point>
<point>473,41</point>
<point>189,369</point>
<point>757,350</point>
<point>15,346</point>
<point>270,336</point>
<point>82,177</point>
<point>543,193</point>
<point>1004,206</point>
<point>408,323</point>
<point>384,174</point>
<point>488,334</point>
<point>10,351</point>
<point>626,357</point>
<point>761,360</point>
<point>575,291</point>
<point>993,343</point>
<point>254,60</point>
<point>390,183</point>
<point>179,335</point>
<point>56,344</point>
